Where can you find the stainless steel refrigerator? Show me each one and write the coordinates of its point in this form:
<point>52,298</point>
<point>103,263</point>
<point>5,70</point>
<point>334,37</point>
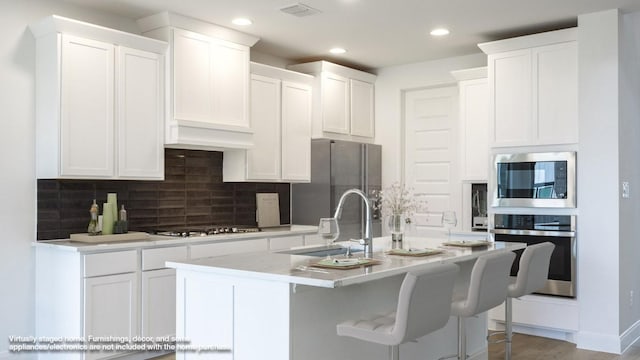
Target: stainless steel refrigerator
<point>337,166</point>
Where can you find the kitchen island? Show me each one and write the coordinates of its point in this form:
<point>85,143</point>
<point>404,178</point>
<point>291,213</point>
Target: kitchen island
<point>274,305</point>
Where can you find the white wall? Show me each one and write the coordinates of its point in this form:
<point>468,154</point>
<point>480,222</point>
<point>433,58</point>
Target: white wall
<point>629,164</point>
<point>598,221</point>
<point>17,179</point>
<point>391,83</point>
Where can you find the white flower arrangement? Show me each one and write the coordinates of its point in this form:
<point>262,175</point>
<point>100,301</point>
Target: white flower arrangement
<point>399,200</point>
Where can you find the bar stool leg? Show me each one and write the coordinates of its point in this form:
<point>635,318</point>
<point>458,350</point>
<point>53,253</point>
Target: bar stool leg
<point>394,352</point>
<point>508,331</point>
<point>462,339</point>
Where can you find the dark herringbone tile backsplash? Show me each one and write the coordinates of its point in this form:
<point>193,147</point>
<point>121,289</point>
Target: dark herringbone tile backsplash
<point>191,196</point>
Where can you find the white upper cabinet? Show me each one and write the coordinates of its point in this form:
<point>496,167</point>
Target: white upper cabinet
<point>335,103</point>
<point>533,86</point>
<point>296,132</point>
<point>343,101</point>
<point>86,107</point>
<point>280,109</point>
<point>99,102</point>
<point>208,82</point>
<point>140,118</point>
<point>474,123</point>
<point>362,120</point>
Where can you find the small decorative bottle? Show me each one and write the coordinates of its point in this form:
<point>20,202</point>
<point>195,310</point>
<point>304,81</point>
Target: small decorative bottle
<point>92,229</point>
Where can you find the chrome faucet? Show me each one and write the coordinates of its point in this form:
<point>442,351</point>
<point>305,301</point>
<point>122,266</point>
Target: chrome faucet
<point>368,238</point>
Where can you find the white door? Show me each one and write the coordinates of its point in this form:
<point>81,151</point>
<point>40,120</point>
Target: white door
<point>263,160</point>
<point>110,308</point>
<point>86,136</point>
<point>159,303</point>
<point>140,114</point>
<point>430,139</point>
<point>474,132</point>
<point>296,132</point>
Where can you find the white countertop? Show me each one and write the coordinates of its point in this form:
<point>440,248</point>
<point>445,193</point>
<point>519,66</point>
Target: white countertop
<point>294,269</point>
<point>162,241</point>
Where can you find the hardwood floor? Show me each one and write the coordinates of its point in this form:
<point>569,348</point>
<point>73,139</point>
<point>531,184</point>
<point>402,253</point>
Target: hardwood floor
<point>526,347</point>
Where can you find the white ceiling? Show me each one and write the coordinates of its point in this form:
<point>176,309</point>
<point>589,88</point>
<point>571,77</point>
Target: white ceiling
<point>376,33</point>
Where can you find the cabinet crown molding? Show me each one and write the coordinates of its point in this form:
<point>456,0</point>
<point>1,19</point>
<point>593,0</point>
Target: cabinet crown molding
<point>316,67</point>
<point>530,41</point>
<point>59,24</point>
<point>169,19</point>
<point>470,74</point>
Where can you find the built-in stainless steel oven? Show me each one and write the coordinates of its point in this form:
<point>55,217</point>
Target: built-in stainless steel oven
<point>534,180</point>
<point>534,229</point>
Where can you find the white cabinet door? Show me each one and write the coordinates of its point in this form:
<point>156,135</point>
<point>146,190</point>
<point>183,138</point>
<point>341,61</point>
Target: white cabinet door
<point>285,242</point>
<point>226,248</point>
<point>110,308</point>
<point>510,93</point>
<point>140,115</point>
<point>361,108</point>
<point>230,75</point>
<point>335,103</point>
<point>192,77</point>
<point>159,303</point>
<point>296,132</point>
<point>474,133</point>
<point>556,93</point>
<point>210,79</point>
<point>264,160</point>
<point>87,123</point>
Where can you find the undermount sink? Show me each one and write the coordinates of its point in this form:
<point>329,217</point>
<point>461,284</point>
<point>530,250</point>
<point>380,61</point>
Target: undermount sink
<point>321,251</point>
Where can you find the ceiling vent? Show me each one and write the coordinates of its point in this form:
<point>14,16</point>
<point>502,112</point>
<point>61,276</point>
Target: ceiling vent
<point>300,10</point>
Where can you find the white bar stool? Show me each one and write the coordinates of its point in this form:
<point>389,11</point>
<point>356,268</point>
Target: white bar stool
<point>487,289</point>
<point>423,307</point>
<point>533,271</point>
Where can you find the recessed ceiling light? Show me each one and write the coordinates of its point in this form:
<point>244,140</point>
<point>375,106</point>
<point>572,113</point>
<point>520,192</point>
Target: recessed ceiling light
<point>439,32</point>
<point>242,21</point>
<point>337,51</point>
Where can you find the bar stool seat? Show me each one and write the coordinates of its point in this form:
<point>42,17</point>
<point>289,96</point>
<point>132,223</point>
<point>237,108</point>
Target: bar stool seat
<point>423,307</point>
<point>533,270</point>
<point>487,289</point>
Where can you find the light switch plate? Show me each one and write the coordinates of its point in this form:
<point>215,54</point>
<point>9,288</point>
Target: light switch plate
<point>626,192</point>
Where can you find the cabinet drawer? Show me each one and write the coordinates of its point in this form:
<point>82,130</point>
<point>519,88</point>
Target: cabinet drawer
<point>286,242</point>
<point>226,248</point>
<point>155,258</point>
<point>110,263</point>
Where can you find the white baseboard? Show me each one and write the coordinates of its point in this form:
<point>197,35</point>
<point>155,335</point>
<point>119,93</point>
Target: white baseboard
<point>630,336</point>
<point>599,342</point>
<point>535,331</point>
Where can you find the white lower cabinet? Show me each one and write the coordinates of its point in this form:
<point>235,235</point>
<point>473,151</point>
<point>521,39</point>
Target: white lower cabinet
<point>225,248</point>
<point>123,293</point>
<point>110,309</point>
<point>285,242</point>
<point>110,298</point>
<point>159,303</point>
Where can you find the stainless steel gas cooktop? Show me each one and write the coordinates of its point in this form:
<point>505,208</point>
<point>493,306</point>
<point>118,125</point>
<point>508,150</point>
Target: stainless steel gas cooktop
<point>212,230</point>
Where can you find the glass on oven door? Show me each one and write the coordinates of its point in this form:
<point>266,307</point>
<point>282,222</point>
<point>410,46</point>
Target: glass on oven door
<point>562,267</point>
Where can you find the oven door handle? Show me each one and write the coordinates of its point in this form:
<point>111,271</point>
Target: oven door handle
<point>533,232</point>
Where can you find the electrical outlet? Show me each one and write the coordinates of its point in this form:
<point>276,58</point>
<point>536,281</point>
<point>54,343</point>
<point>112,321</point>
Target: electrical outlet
<point>625,190</point>
<point>631,298</point>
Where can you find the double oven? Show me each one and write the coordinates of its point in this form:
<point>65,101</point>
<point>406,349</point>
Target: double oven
<point>531,196</point>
